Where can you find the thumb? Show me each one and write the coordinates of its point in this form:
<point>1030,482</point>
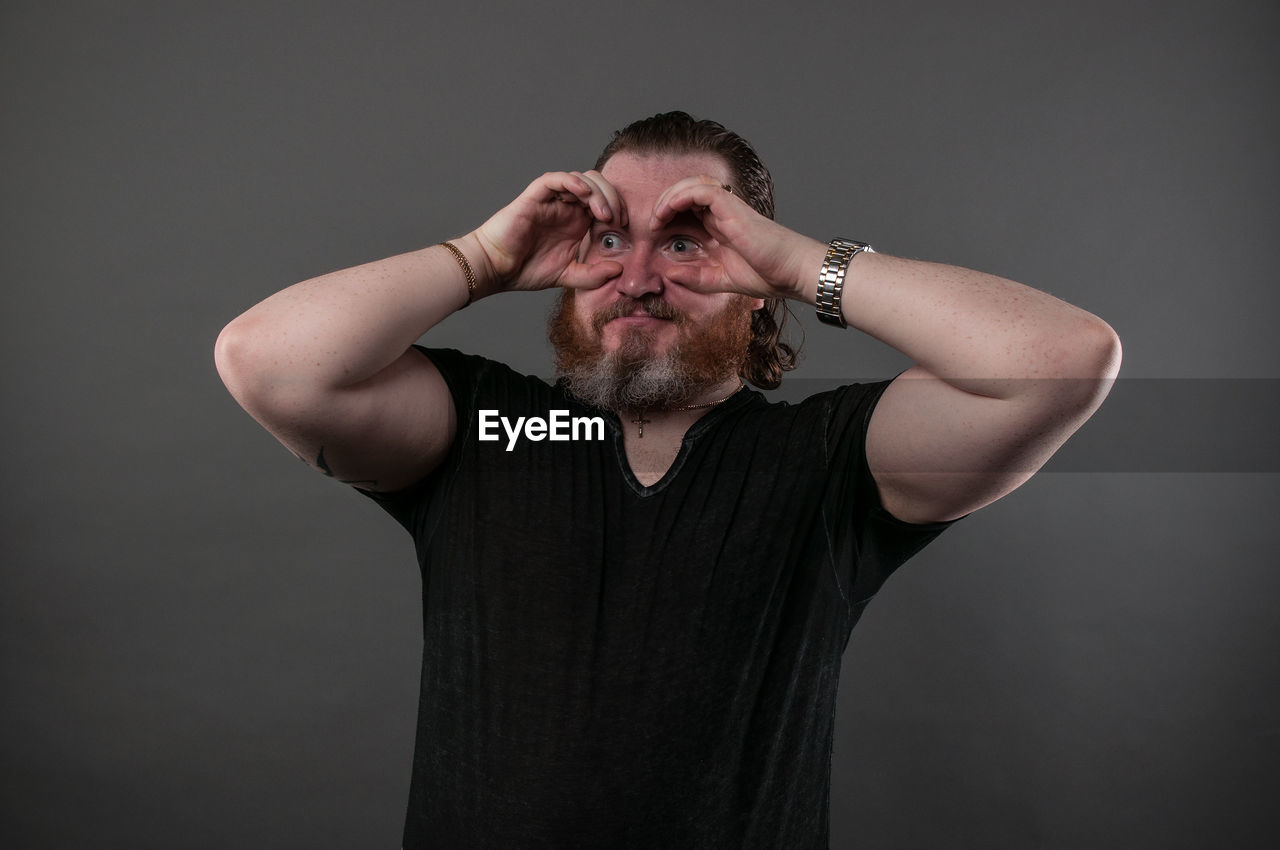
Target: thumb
<point>589,275</point>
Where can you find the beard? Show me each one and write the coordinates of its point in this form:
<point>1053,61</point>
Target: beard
<point>632,377</point>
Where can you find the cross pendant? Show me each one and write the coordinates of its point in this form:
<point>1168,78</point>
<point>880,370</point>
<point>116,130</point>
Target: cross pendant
<point>641,421</point>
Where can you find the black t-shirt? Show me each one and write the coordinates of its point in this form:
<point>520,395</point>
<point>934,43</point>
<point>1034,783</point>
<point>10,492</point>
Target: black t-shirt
<point>609,665</point>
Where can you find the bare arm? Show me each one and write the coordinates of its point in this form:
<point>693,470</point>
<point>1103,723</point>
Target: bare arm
<point>1004,375</point>
<point>326,364</point>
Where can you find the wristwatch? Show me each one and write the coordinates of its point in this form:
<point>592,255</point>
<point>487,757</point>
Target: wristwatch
<point>831,280</point>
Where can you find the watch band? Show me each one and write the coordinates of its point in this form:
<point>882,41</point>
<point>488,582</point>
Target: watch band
<point>831,280</point>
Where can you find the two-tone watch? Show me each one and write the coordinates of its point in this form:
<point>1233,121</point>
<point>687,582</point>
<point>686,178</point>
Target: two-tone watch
<point>831,281</point>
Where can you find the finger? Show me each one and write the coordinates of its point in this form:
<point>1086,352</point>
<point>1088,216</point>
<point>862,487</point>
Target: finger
<point>560,186</point>
<point>616,202</point>
<point>589,276</point>
<point>693,194</point>
<point>683,185</point>
<point>699,278</point>
<point>602,204</point>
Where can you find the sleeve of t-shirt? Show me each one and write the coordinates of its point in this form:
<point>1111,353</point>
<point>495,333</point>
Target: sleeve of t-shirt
<point>411,505</point>
<point>868,542</point>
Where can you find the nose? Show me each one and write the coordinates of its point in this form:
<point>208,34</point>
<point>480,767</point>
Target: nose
<point>640,276</point>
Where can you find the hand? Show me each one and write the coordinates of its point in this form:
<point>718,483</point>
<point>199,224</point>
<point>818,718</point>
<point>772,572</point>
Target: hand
<point>751,254</point>
<point>533,243</point>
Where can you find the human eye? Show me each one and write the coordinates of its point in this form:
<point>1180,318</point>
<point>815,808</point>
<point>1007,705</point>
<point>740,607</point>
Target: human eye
<point>610,241</point>
<point>683,245</point>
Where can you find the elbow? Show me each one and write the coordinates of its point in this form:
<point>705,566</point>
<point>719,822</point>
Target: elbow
<point>1107,352</point>
<point>1087,364</point>
<point>1085,348</point>
<point>240,360</point>
<point>230,353</point>
<point>260,373</point>
<point>1102,351</point>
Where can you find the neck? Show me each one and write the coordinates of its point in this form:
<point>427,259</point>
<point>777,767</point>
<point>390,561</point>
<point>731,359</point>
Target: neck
<point>676,420</point>
<point>714,394</point>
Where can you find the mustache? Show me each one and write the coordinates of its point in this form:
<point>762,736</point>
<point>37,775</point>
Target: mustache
<point>650,305</point>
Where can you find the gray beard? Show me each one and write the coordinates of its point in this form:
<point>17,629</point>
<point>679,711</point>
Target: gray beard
<point>616,382</point>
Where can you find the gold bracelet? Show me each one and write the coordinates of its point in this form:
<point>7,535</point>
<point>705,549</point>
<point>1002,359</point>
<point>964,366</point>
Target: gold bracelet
<point>466,269</point>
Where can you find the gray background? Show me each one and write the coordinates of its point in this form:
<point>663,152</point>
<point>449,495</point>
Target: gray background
<point>206,646</point>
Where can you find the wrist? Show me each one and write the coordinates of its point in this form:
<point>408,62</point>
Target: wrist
<point>486,277</point>
<point>809,259</point>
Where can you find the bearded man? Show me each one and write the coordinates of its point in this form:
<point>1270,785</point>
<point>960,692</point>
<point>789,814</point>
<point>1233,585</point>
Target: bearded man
<point>635,641</point>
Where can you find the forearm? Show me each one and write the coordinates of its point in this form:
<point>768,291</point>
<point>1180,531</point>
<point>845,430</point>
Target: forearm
<point>337,330</point>
<point>980,333</point>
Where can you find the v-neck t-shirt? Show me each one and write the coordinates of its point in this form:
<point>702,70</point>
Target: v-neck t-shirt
<point>608,664</point>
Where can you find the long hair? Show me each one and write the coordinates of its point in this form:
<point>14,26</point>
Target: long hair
<point>768,356</point>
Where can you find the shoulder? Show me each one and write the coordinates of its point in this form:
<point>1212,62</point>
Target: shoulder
<point>828,406</point>
<point>469,375</point>
<point>823,428</point>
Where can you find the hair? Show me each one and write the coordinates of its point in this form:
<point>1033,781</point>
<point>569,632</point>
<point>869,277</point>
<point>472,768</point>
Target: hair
<point>679,132</point>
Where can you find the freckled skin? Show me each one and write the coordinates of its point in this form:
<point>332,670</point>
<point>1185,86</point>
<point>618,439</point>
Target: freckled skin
<point>970,335</point>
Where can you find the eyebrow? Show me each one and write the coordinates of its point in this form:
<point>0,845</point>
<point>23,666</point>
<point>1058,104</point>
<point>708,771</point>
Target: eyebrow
<point>685,221</point>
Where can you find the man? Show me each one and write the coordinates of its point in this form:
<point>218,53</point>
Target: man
<point>632,639</point>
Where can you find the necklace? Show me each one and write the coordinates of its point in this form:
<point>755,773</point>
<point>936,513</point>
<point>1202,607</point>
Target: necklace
<point>640,421</point>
